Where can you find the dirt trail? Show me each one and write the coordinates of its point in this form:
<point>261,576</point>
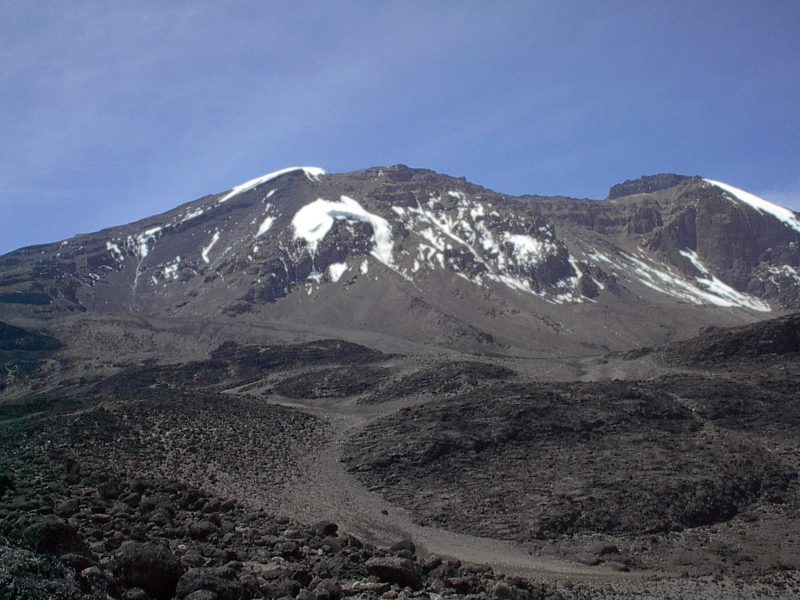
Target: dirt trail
<point>329,491</point>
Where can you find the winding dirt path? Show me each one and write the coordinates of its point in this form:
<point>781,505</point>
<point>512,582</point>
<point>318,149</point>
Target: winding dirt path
<point>329,491</point>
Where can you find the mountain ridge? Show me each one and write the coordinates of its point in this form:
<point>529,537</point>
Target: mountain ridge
<point>476,267</point>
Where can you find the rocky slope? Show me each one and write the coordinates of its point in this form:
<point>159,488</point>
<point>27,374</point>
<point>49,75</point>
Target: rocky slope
<point>214,475</point>
<point>504,380</point>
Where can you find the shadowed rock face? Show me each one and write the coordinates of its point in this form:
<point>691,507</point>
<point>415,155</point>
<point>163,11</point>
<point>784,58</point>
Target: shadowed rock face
<point>734,243</point>
<point>646,185</point>
<point>716,345</point>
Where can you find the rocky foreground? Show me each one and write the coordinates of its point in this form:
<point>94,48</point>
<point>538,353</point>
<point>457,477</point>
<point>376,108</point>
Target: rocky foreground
<point>208,479</point>
<point>85,533</point>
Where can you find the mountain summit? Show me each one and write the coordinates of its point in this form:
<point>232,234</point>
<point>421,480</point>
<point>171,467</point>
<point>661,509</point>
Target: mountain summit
<point>420,256</point>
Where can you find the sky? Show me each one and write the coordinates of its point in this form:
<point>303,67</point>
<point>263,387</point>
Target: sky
<point>114,111</point>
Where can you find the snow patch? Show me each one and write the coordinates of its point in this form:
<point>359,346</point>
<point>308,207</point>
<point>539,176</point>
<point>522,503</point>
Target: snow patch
<point>312,173</point>
<point>171,270</point>
<point>336,270</point>
<point>192,215</point>
<point>727,295</point>
<point>141,242</point>
<point>313,222</point>
<point>264,227</point>
<point>763,206</point>
<point>208,248</point>
<point>115,249</point>
<point>526,247</point>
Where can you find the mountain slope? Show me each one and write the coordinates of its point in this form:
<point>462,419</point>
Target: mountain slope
<point>421,256</point>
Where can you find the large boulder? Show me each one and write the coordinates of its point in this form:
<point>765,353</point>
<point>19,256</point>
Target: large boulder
<point>155,569</point>
<point>395,570</point>
<point>53,535</point>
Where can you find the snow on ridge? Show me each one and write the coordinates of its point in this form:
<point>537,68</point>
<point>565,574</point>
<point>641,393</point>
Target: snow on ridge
<point>312,173</point>
<point>706,289</point>
<point>763,206</point>
<point>722,290</point>
<point>313,222</point>
<point>193,214</point>
<point>140,243</point>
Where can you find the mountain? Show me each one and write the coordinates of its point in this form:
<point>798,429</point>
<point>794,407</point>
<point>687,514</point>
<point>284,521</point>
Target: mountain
<point>410,254</point>
<point>391,382</point>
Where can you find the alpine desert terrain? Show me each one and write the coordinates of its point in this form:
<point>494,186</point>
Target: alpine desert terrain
<point>394,383</point>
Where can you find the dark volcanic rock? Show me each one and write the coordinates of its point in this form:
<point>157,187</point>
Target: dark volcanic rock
<point>395,570</point>
<point>150,567</point>
<point>6,483</point>
<point>53,535</point>
<point>776,336</point>
<point>646,184</point>
<point>540,461</point>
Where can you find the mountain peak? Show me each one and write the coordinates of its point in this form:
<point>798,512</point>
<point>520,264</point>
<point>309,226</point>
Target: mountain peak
<point>432,258</point>
<point>646,184</point>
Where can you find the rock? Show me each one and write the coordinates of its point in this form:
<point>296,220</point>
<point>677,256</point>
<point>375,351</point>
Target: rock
<point>289,549</point>
<point>210,580</point>
<point>406,547</point>
<point>328,589</point>
<point>6,483</point>
<point>507,591</point>
<point>590,560</point>
<point>602,548</point>
<point>363,587</point>
<point>302,576</point>
<point>132,499</point>
<point>93,575</point>
<point>325,528</point>
<point>429,563</point>
<point>395,570</point>
<point>76,562</point>
<point>463,585</point>
<point>202,530</point>
<point>617,565</point>
<point>53,535</point>
<point>202,595</point>
<point>686,557</point>
<point>68,508</point>
<point>280,588</point>
<point>135,594</point>
<point>153,568</point>
<point>108,490</point>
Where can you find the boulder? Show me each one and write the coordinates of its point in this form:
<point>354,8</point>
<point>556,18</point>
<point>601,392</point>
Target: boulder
<point>155,569</point>
<point>395,569</point>
<point>53,535</point>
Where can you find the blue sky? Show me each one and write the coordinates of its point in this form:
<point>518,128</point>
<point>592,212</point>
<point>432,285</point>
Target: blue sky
<point>112,111</point>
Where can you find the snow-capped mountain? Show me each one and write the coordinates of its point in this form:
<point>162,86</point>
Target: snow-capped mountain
<point>426,257</point>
